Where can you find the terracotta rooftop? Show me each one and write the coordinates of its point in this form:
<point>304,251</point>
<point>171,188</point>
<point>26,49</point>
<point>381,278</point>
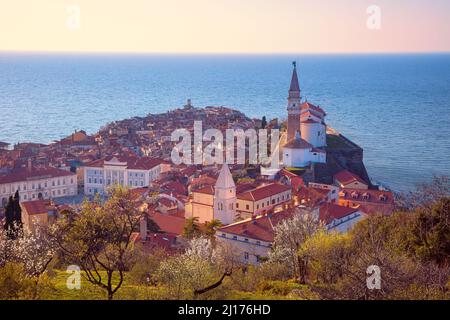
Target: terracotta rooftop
<point>144,163</point>
<point>35,207</point>
<point>206,190</point>
<point>34,174</point>
<point>260,228</point>
<point>346,177</point>
<point>168,223</point>
<point>310,106</point>
<point>369,196</point>
<point>298,143</point>
<point>263,192</point>
<point>330,211</point>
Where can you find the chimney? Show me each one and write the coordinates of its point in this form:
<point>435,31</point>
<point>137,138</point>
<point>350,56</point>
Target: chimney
<point>143,228</point>
<point>29,164</point>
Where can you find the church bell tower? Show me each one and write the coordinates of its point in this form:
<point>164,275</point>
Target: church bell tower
<point>225,197</point>
<point>293,107</point>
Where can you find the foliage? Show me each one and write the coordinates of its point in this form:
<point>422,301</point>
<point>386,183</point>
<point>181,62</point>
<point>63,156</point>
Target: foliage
<point>211,227</point>
<point>430,233</point>
<point>145,266</point>
<point>198,271</point>
<point>191,229</point>
<point>99,237</point>
<point>16,283</point>
<point>290,234</point>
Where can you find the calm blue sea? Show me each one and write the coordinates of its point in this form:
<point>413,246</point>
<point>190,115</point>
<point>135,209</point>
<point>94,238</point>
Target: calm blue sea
<point>397,107</point>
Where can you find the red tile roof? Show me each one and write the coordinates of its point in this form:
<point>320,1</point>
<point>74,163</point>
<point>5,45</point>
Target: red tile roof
<point>167,202</point>
<point>35,207</point>
<point>206,190</point>
<point>346,177</point>
<point>298,144</point>
<point>168,223</point>
<point>176,187</point>
<point>144,163</point>
<point>260,228</point>
<point>330,211</point>
<point>310,106</point>
<point>264,192</point>
<point>380,196</point>
<point>34,174</point>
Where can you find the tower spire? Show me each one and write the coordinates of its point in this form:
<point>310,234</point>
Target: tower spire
<point>293,106</point>
<point>295,87</point>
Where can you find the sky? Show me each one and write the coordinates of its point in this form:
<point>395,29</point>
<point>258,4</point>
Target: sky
<point>225,26</point>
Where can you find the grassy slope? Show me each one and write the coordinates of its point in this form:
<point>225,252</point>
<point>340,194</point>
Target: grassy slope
<point>274,290</point>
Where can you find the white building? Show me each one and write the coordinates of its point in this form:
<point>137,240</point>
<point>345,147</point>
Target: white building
<point>121,170</point>
<point>225,197</point>
<point>300,153</point>
<point>38,183</point>
<point>306,136</point>
<point>252,239</point>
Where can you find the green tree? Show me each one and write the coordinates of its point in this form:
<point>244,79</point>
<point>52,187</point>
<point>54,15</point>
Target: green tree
<point>430,233</point>
<point>191,229</point>
<point>211,227</point>
<point>16,284</point>
<point>99,238</point>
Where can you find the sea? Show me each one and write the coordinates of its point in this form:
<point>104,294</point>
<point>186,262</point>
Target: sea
<point>396,107</point>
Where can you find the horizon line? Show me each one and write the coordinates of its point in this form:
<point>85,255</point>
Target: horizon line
<point>101,52</point>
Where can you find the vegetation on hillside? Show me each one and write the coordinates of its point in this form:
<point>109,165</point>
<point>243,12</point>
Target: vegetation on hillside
<point>410,248</point>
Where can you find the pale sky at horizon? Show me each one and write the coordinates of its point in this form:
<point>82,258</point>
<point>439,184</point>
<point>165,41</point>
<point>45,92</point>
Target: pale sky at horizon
<point>225,26</point>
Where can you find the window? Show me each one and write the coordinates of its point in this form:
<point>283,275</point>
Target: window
<point>234,237</point>
<point>247,207</point>
<point>224,235</point>
<point>273,201</point>
<point>246,240</point>
<point>237,205</point>
<point>246,255</point>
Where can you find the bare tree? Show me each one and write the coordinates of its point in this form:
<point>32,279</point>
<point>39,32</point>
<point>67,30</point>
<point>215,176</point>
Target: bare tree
<point>425,194</point>
<point>99,238</point>
<point>199,270</point>
<point>290,234</point>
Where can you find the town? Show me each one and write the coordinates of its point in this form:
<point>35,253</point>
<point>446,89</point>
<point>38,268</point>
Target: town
<point>241,205</point>
<point>246,199</point>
